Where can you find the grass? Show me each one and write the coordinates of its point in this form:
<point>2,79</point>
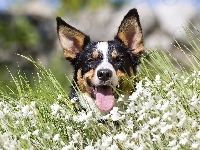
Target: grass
<point>162,113</point>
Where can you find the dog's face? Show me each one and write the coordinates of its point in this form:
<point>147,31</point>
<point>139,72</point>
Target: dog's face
<point>100,68</point>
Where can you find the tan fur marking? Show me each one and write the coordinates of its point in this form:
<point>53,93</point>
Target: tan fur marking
<point>128,29</point>
<point>95,54</point>
<point>69,54</point>
<point>131,72</point>
<point>71,41</point>
<point>73,34</point>
<point>114,54</point>
<point>120,74</point>
<point>82,80</point>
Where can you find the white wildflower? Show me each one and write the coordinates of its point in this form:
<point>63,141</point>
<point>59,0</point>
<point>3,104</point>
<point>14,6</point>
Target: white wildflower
<point>76,137</point>
<point>172,143</point>
<point>106,141</point>
<point>139,87</point>
<point>121,98</point>
<point>198,134</point>
<point>141,117</point>
<point>165,128</point>
<point>168,86</point>
<point>142,147</point>
<point>183,141</point>
<point>156,137</point>
<point>195,145</point>
<point>165,106</point>
<point>166,116</point>
<point>135,135</point>
<point>55,108</point>
<point>89,147</point>
<point>83,116</point>
<point>114,114</point>
<point>185,134</point>
<point>62,143</point>
<point>25,110</point>
<point>56,137</point>
<point>105,117</point>
<point>46,136</point>
<point>69,147</point>
<point>121,137</point>
<point>144,129</point>
<point>147,83</point>
<point>130,124</point>
<point>194,100</point>
<point>175,147</point>
<point>134,96</point>
<point>182,121</point>
<point>113,147</point>
<point>36,132</point>
<point>26,136</point>
<point>153,121</point>
<point>32,104</point>
<point>157,79</point>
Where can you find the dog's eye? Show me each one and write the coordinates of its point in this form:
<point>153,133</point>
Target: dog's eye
<point>118,59</point>
<point>90,60</point>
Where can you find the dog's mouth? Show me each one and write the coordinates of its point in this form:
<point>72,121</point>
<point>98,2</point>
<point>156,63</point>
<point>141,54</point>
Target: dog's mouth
<point>103,96</point>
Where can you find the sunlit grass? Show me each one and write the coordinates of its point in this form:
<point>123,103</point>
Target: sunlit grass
<point>162,113</point>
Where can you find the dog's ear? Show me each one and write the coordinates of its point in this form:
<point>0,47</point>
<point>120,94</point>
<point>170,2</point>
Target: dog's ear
<point>130,32</point>
<point>71,39</point>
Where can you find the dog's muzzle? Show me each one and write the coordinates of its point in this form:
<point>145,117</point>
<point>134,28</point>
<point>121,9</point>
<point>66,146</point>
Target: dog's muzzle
<point>104,76</point>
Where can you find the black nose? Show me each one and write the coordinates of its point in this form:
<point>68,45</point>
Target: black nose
<point>104,74</point>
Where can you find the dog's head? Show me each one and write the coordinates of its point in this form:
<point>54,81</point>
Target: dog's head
<point>102,67</point>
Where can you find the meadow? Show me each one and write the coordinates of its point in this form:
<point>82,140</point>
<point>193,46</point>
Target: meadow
<point>162,112</point>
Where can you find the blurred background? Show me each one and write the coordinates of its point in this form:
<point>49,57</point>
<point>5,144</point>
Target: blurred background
<point>28,27</point>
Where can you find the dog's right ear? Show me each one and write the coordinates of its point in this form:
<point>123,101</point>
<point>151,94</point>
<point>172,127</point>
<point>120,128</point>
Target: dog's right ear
<point>71,39</point>
<point>130,32</point>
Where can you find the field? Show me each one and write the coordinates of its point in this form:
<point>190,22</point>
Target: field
<point>162,112</point>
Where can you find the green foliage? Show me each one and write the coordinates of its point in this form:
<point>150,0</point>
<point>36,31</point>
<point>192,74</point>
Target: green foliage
<point>18,30</point>
<point>77,5</point>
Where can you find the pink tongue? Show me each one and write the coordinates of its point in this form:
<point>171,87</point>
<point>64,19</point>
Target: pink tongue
<point>104,98</point>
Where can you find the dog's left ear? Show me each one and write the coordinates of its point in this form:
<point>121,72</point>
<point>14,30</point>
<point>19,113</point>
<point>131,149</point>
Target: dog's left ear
<point>71,39</point>
<point>130,32</point>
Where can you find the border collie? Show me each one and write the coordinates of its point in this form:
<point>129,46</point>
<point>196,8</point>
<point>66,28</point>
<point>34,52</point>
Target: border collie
<point>101,68</point>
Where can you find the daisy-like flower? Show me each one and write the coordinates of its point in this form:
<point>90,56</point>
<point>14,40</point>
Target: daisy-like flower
<point>172,143</point>
<point>114,114</point>
<point>89,147</point>
<point>153,121</point>
<point>198,135</point>
<point>113,147</point>
<point>195,145</point>
<point>36,132</point>
<point>56,137</point>
<point>55,108</point>
<point>165,128</point>
<point>69,147</point>
<point>26,110</point>
<point>121,137</point>
<point>157,79</point>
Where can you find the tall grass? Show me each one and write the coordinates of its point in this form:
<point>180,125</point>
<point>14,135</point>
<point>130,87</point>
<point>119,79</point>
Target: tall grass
<point>162,113</point>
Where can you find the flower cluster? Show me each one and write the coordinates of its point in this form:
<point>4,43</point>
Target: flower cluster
<point>160,114</point>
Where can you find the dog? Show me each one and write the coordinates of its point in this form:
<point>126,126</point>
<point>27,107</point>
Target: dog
<point>101,68</point>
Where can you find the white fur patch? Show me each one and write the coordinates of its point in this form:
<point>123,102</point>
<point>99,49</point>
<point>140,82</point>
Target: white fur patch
<point>103,48</point>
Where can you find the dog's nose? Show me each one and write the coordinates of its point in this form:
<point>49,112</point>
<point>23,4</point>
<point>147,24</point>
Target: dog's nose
<point>104,74</point>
